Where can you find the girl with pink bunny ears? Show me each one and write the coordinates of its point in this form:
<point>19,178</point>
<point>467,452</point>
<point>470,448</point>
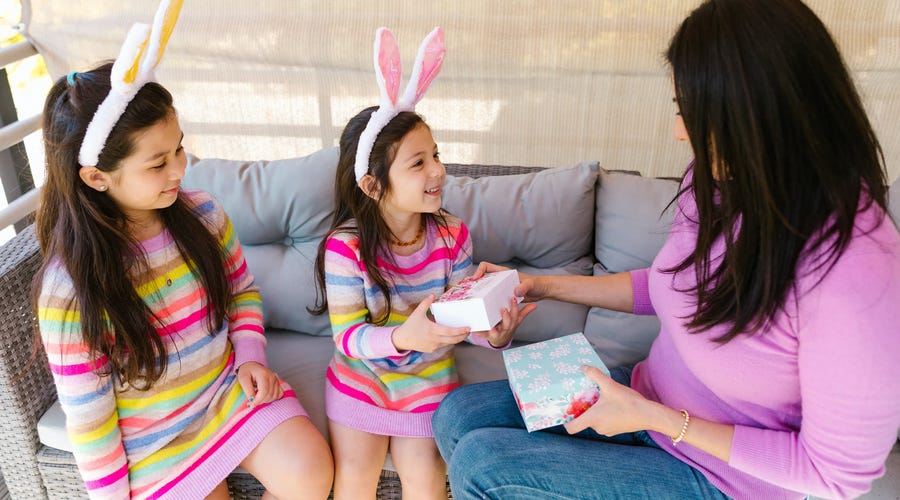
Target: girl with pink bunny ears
<point>391,250</point>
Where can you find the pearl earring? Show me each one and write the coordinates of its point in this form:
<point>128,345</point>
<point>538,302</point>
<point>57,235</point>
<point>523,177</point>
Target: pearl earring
<point>102,188</point>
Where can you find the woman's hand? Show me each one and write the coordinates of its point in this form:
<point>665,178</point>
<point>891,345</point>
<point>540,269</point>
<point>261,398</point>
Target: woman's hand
<point>620,409</point>
<point>259,383</point>
<point>530,288</point>
<point>510,319</point>
<point>421,334</point>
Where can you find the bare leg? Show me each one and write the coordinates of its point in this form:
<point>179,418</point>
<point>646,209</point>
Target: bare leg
<point>293,461</point>
<point>422,471</point>
<point>358,459</point>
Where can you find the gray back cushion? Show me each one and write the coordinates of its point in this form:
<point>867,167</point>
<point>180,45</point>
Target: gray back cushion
<point>632,219</point>
<point>543,219</point>
<point>620,339</point>
<point>281,210</point>
<point>631,226</point>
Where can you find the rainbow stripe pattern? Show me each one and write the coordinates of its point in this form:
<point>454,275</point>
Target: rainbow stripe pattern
<point>185,434</point>
<point>372,386</point>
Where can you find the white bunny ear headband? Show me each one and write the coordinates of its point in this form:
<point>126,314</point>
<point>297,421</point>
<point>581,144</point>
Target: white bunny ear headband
<point>135,66</point>
<point>387,71</point>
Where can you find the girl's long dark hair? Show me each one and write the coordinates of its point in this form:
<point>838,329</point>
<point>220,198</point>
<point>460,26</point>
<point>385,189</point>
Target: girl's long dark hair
<point>771,109</point>
<point>351,203</point>
<point>88,233</point>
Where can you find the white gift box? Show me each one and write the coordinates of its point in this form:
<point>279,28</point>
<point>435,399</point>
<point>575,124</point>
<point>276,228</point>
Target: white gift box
<point>476,303</point>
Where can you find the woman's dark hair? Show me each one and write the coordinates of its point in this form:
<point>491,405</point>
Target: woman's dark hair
<point>784,154</point>
<point>88,233</point>
<point>351,202</point>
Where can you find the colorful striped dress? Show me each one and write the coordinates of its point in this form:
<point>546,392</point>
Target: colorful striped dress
<point>183,436</point>
<point>370,385</point>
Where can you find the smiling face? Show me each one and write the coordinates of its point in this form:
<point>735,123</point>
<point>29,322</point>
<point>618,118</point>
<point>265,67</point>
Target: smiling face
<point>416,176</point>
<point>149,178</point>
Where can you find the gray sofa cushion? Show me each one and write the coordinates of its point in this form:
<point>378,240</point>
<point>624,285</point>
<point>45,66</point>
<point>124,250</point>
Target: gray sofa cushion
<point>301,361</point>
<point>281,210</point>
<point>543,219</point>
<point>631,226</point>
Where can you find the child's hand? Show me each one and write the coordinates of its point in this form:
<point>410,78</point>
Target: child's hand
<point>485,268</point>
<point>510,319</point>
<point>259,383</point>
<point>421,334</point>
<point>531,288</point>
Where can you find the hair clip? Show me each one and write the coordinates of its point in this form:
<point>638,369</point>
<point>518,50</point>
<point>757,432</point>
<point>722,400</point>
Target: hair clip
<point>387,72</point>
<point>136,65</point>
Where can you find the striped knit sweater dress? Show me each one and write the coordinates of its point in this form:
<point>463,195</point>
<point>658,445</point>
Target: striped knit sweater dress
<point>183,436</point>
<point>370,385</point>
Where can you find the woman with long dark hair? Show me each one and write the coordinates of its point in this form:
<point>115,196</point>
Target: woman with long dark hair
<point>774,372</point>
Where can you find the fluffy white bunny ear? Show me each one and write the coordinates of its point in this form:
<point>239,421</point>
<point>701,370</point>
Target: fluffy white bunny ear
<point>125,69</point>
<point>428,64</point>
<point>387,66</point>
<point>163,25</point>
<point>135,66</point>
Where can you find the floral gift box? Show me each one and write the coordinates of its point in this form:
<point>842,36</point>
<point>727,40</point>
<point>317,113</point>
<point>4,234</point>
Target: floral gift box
<point>476,303</point>
<point>547,381</point>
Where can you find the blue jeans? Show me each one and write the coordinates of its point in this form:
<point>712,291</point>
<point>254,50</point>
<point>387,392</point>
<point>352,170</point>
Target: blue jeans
<point>482,437</point>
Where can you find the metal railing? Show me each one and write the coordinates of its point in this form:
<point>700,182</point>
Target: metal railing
<point>12,134</point>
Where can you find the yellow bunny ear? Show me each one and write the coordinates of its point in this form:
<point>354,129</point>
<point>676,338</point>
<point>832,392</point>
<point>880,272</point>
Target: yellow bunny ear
<point>145,54</point>
<point>163,24</point>
<point>133,50</point>
<point>135,66</point>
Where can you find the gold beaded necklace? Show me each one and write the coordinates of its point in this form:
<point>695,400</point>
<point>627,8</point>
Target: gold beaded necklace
<point>419,233</point>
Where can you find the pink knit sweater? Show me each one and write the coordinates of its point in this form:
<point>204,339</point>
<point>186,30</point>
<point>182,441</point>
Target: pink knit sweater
<point>815,398</point>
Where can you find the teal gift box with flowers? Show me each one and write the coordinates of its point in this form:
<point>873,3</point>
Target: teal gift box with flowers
<point>547,381</point>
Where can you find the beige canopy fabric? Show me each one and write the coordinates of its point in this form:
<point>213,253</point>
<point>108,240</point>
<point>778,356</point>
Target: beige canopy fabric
<point>523,83</point>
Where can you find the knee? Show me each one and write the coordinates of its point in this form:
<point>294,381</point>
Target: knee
<point>447,422</point>
<point>450,405</point>
<point>312,473</point>
<point>321,461</point>
<point>426,473</point>
<point>471,407</point>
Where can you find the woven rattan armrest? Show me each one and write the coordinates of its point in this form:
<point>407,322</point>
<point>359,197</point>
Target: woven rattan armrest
<point>26,387</point>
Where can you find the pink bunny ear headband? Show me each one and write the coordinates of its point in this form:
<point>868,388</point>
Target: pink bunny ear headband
<point>387,72</point>
<point>135,66</point>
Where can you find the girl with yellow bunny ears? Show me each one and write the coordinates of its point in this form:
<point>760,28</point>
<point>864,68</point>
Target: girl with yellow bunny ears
<point>148,314</point>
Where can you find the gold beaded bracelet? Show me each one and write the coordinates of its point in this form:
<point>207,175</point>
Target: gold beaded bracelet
<point>684,428</point>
